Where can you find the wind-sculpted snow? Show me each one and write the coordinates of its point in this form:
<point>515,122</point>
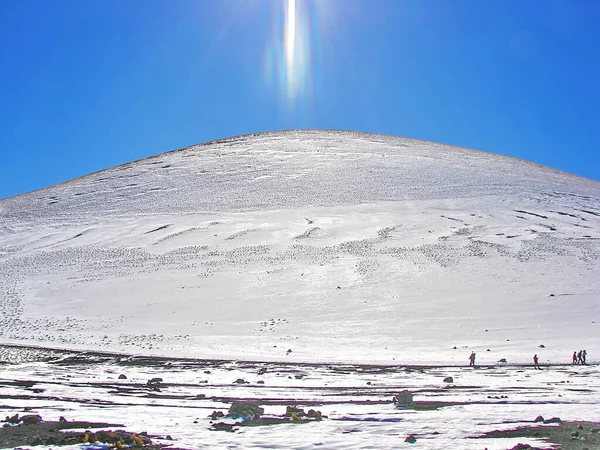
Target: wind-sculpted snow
<point>309,246</point>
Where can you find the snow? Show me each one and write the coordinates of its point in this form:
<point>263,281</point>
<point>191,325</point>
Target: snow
<point>355,399</point>
<point>197,253</point>
<point>312,246</point>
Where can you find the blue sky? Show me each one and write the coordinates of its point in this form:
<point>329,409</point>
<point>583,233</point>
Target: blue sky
<point>86,85</point>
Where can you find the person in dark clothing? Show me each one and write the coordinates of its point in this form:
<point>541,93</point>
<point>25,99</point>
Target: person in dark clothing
<point>583,356</point>
<point>575,357</point>
<point>580,357</point>
<point>472,359</point>
<point>535,362</point>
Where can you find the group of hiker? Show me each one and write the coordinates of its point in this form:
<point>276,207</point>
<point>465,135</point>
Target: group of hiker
<point>578,358</point>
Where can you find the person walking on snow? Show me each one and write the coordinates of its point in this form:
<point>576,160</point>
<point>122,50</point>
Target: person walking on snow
<point>580,357</point>
<point>575,357</point>
<point>472,359</point>
<point>535,362</point>
<point>583,356</point>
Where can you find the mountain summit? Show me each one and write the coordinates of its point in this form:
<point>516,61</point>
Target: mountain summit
<point>308,245</point>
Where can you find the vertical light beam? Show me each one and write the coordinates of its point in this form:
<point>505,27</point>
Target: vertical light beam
<point>290,45</point>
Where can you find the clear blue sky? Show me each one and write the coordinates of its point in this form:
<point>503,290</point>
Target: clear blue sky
<point>86,84</point>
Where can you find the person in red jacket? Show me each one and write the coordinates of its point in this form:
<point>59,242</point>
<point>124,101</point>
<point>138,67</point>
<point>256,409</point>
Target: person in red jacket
<point>535,362</point>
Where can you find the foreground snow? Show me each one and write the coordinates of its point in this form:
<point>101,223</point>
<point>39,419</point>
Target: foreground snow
<point>309,246</point>
<point>355,399</point>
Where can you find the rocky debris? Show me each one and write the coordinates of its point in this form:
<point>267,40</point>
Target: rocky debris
<point>252,415</point>
<point>122,377</point>
<point>62,419</point>
<point>448,380</point>
<point>503,360</point>
<point>541,346</point>
<point>539,419</point>
<point>262,371</point>
<point>12,419</point>
<point>31,430</point>
<point>523,447</point>
<point>29,419</point>
<point>241,381</point>
<point>221,426</point>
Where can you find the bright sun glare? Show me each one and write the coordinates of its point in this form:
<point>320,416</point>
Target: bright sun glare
<point>292,69</point>
<point>288,55</point>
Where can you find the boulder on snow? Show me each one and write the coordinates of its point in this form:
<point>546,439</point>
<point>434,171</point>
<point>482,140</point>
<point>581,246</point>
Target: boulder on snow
<point>122,377</point>
<point>31,419</point>
<point>403,399</point>
<point>448,380</point>
<point>251,410</point>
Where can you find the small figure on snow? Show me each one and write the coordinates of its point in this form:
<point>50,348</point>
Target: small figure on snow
<point>535,362</point>
<point>580,357</point>
<point>575,357</point>
<point>472,359</point>
<point>583,356</point>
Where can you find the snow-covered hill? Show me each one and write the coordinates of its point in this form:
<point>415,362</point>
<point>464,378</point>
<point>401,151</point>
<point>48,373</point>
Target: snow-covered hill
<point>309,245</point>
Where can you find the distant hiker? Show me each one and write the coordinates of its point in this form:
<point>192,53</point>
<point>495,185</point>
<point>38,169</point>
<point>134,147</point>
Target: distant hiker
<point>472,359</point>
<point>535,362</point>
<point>580,357</point>
<point>583,356</point>
<point>575,357</point>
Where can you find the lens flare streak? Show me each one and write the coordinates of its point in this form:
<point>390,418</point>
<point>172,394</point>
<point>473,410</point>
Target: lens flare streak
<point>288,57</point>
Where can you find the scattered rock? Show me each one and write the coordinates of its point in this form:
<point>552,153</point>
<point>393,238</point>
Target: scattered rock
<point>521,447</point>
<point>62,419</point>
<point>503,360</point>
<point>539,419</point>
<point>122,377</point>
<point>292,410</point>
<point>240,381</point>
<point>541,346</point>
<point>448,380</point>
<point>411,439</point>
<point>260,382</point>
<point>216,414</point>
<point>207,371</point>
<point>13,419</point>
<point>262,371</point>
<point>168,437</point>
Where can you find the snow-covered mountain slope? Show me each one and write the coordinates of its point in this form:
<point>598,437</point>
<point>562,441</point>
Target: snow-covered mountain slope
<point>338,246</point>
